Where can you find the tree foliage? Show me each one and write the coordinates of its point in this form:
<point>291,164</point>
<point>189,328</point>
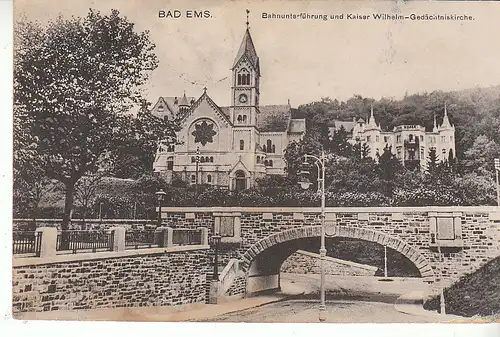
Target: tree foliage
<point>74,81</point>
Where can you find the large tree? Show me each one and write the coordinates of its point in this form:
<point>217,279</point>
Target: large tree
<point>74,81</point>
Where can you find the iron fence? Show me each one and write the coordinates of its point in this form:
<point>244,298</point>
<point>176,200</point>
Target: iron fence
<point>136,239</point>
<point>186,237</point>
<point>85,240</point>
<point>26,242</point>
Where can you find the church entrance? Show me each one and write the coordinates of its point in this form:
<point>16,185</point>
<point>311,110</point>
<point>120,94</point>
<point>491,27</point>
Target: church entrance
<point>241,181</point>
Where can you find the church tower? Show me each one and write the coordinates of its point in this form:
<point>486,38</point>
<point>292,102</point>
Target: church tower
<point>245,83</point>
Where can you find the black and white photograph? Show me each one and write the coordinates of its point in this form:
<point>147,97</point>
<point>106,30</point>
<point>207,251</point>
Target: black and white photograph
<point>256,161</point>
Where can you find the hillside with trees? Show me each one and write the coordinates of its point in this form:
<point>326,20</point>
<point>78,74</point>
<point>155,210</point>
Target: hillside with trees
<point>352,177</point>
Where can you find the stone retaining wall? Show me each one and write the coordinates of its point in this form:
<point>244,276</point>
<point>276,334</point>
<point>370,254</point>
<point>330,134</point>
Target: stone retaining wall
<point>303,262</point>
<point>156,279</point>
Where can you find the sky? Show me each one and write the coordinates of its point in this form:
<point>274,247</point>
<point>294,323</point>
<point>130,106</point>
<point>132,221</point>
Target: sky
<point>305,60</point>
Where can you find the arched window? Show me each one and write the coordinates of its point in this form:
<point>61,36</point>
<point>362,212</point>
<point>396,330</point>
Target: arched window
<point>211,159</point>
<point>243,77</point>
<point>193,159</point>
<point>274,148</point>
<point>242,144</point>
<point>244,118</point>
<point>202,159</point>
<point>209,178</point>
<point>270,163</point>
<point>269,146</point>
<point>193,179</point>
<point>171,148</point>
<point>263,148</point>
<point>266,163</point>
<point>170,163</point>
<point>240,119</point>
<point>258,159</point>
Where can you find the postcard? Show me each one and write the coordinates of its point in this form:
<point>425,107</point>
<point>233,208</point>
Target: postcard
<point>258,162</point>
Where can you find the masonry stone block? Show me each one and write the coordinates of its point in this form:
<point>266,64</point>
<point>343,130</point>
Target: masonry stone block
<point>118,238</point>
<point>204,235</point>
<point>298,216</point>
<point>170,237</point>
<point>494,216</point>
<point>267,216</point>
<point>190,215</point>
<point>49,241</point>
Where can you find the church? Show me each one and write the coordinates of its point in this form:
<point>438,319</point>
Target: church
<point>228,147</point>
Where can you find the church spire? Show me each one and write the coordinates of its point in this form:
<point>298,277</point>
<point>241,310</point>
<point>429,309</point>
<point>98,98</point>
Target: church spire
<point>435,128</point>
<point>247,50</point>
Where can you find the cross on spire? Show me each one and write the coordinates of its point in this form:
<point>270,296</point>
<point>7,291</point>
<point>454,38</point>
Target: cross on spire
<point>248,23</point>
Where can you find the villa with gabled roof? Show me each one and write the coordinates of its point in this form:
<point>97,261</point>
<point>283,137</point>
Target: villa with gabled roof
<point>228,147</point>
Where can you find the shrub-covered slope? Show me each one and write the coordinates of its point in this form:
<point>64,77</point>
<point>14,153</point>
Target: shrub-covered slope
<point>476,294</point>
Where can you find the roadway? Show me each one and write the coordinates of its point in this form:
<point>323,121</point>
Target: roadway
<point>349,300</point>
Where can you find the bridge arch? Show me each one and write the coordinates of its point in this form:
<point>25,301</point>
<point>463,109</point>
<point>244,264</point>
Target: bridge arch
<point>398,245</point>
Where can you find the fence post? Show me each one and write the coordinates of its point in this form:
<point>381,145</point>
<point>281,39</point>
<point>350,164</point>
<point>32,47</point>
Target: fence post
<point>161,236</point>
<point>49,241</point>
<point>204,236</point>
<point>118,238</point>
<point>170,236</point>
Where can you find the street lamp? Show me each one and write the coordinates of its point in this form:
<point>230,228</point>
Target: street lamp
<point>160,196</point>
<point>497,169</point>
<point>441,295</point>
<point>305,183</point>
<point>216,240</point>
<point>197,168</point>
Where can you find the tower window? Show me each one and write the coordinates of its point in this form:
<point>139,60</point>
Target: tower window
<point>193,159</point>
<point>244,118</point>
<point>242,144</point>
<point>258,159</point>
<point>269,146</point>
<point>202,159</point>
<point>270,163</point>
<point>193,179</point>
<point>243,77</point>
<point>170,163</point>
<point>209,178</point>
<point>240,119</point>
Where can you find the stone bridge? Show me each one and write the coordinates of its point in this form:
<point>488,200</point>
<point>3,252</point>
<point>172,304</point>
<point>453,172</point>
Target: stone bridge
<point>261,239</point>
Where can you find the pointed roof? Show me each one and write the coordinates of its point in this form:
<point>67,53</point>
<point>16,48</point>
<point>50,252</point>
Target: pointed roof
<point>247,50</point>
<point>372,124</point>
<point>211,103</point>
<point>184,101</point>
<point>435,128</point>
<point>446,122</point>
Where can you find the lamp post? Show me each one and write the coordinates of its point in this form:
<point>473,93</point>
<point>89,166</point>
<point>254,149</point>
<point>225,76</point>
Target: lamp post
<point>305,183</point>
<point>441,295</point>
<point>160,196</point>
<point>497,170</point>
<point>216,240</point>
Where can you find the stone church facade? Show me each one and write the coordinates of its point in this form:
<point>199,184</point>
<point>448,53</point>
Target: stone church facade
<point>228,147</point>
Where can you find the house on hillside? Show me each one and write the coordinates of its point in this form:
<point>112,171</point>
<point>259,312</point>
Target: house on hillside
<point>410,143</point>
